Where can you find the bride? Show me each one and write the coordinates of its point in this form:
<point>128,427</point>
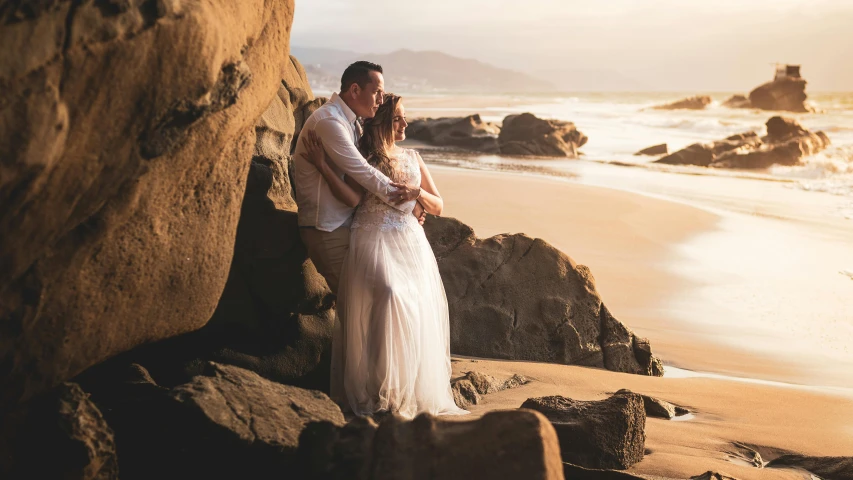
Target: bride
<point>391,347</point>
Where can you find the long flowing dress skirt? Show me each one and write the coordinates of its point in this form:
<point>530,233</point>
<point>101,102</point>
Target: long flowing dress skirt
<point>392,344</point>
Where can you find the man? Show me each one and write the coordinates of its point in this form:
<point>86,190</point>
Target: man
<point>324,221</point>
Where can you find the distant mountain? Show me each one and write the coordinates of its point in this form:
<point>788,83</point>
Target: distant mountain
<point>410,71</point>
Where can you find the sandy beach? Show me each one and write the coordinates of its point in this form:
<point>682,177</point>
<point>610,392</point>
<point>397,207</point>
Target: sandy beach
<point>631,243</point>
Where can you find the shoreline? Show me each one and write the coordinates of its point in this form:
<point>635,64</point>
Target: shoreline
<point>644,278</point>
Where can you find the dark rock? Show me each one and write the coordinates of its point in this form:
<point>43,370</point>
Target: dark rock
<point>518,298</point>
<point>126,134</point>
<point>525,134</point>
<point>469,132</point>
<point>654,150</point>
<point>250,410</point>
<point>698,102</point>
<point>656,407</point>
<point>737,101</point>
<point>710,475</point>
<point>61,434</point>
<point>786,143</point>
<point>275,315</point>
<point>827,468</point>
<point>464,393</point>
<point>605,434</point>
<point>226,422</point>
<point>788,94</point>
<point>500,445</point>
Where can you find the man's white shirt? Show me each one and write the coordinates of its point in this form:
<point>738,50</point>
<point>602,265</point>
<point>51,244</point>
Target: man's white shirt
<point>334,122</point>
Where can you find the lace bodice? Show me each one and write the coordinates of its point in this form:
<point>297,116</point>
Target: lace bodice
<point>374,213</point>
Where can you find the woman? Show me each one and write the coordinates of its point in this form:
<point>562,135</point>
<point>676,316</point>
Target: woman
<point>392,341</point>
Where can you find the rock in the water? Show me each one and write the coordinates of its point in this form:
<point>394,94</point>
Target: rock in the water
<point>60,435</point>
<point>469,132</point>
<point>656,407</point>
<point>126,133</point>
<point>607,434</point>
<point>500,445</point>
<point>786,143</point>
<point>654,150</point>
<point>464,393</point>
<point>699,102</point>
<point>788,94</point>
<point>518,298</point>
<point>827,468</point>
<point>737,101</point>
<point>525,134</point>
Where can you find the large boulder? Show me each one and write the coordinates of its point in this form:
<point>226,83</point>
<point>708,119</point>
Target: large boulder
<point>500,445</point>
<point>226,422</point>
<point>786,143</point>
<point>606,434</point>
<point>699,102</point>
<point>469,132</point>
<point>526,134</point>
<point>126,133</point>
<point>788,94</point>
<point>518,298</point>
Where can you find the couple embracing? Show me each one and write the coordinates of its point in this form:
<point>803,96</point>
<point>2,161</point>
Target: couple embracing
<point>362,202</point>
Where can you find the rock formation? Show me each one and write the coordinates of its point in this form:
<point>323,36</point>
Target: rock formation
<point>699,102</point>
<point>606,434</point>
<point>784,94</point>
<point>519,298</point>
<point>469,132</point>
<point>525,134</point>
<point>787,94</point>
<point>126,131</point>
<point>786,143</point>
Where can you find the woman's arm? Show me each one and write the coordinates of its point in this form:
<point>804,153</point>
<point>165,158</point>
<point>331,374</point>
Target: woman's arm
<point>315,154</point>
<point>430,199</point>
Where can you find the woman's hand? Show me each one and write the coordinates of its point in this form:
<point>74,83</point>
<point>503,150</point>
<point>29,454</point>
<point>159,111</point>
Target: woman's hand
<point>314,152</point>
<point>404,193</point>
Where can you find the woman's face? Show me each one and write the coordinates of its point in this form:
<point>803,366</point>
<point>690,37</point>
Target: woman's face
<point>399,125</point>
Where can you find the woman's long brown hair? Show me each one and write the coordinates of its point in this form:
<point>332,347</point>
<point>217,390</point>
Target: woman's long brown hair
<point>378,137</point>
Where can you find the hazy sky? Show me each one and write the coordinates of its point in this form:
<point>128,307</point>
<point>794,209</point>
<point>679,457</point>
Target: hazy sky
<point>691,45</point>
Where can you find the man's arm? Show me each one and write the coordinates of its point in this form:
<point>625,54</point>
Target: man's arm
<point>337,142</point>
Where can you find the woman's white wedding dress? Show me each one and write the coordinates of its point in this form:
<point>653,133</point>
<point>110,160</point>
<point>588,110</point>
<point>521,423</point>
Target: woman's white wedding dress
<point>391,347</point>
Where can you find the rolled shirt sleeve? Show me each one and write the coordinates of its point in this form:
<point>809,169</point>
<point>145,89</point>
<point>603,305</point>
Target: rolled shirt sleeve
<point>337,142</point>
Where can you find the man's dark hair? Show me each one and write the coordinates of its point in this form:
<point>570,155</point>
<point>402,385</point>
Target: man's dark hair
<point>358,72</point>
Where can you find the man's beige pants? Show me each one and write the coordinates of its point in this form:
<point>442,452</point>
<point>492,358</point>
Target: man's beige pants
<point>327,250</point>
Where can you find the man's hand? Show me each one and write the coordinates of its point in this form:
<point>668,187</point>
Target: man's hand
<point>419,213</point>
<point>404,193</point>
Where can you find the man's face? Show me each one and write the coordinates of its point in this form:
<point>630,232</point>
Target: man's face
<point>368,99</point>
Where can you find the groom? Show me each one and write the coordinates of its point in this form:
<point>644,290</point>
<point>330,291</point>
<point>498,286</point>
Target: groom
<point>324,221</point>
